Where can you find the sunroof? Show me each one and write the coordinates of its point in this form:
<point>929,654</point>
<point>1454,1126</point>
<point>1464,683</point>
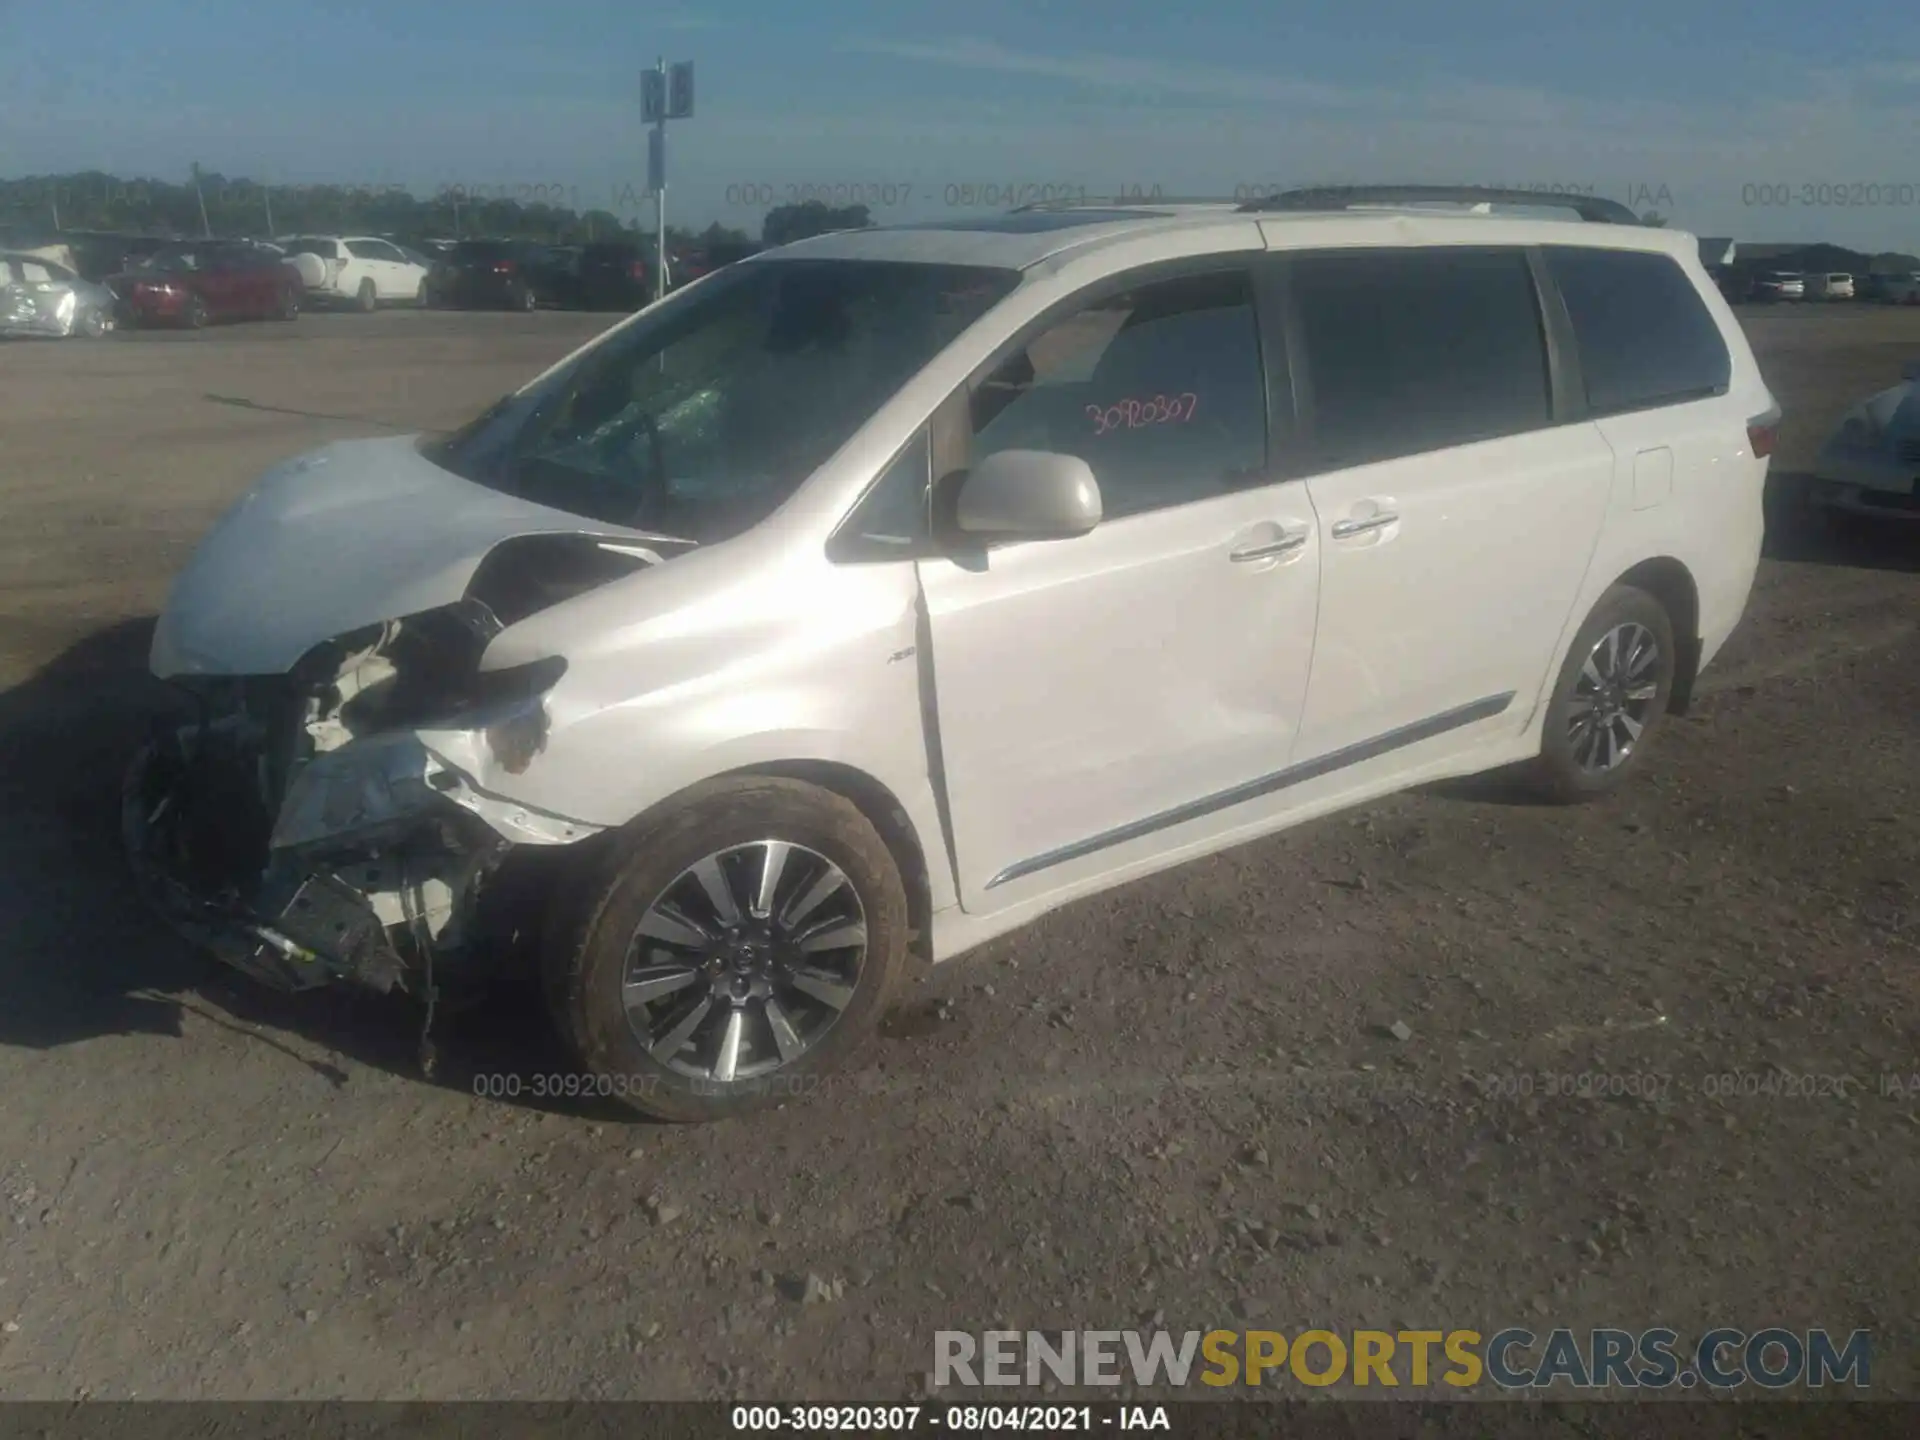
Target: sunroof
<point>1035,222</point>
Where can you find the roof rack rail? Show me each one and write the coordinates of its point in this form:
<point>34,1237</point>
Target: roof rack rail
<point>1590,208</point>
<point>1119,202</point>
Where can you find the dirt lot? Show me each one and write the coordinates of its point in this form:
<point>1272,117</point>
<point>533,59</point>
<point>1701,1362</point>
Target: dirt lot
<point>1180,1099</point>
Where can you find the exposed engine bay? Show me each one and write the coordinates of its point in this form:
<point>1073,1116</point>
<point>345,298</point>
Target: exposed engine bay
<point>311,827</point>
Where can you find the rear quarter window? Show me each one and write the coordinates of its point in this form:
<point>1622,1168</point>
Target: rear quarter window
<point>1645,337</point>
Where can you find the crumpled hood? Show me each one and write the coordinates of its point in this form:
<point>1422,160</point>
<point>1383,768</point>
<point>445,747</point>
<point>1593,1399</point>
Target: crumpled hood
<point>349,535</point>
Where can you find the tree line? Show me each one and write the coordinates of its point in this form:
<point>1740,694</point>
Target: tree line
<point>237,207</point>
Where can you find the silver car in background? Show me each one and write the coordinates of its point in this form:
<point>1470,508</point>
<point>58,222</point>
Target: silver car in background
<point>39,296</point>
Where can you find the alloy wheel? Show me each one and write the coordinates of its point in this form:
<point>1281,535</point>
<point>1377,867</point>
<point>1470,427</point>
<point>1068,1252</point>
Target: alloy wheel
<point>1613,697</point>
<point>745,962</point>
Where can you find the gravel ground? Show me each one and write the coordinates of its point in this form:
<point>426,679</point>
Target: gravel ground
<point>1184,1100</point>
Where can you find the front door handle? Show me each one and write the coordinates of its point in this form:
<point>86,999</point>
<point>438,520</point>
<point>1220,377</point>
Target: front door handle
<point>1347,529</point>
<point>1268,550</point>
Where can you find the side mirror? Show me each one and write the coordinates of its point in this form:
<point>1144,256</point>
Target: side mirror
<point>1027,495</point>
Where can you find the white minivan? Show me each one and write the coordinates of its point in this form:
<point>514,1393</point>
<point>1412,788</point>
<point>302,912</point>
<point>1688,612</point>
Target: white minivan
<point>871,597</point>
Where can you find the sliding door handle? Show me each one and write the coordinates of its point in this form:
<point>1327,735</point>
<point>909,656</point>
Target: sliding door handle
<point>1269,550</point>
<point>1347,529</point>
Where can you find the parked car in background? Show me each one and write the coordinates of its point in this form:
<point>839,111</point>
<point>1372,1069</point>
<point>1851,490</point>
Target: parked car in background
<point>1897,289</point>
<point>601,276</point>
<point>1774,285</point>
<point>100,254</point>
<point>495,275</point>
<point>197,283</point>
<point>358,270</point>
<point>1870,467</point>
<point>1829,286</point>
<point>40,297</point>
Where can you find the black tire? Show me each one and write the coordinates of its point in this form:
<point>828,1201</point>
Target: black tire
<point>367,298</point>
<point>289,308</point>
<point>194,317</point>
<point>526,300</point>
<point>423,297</point>
<point>585,966</point>
<point>1558,774</point>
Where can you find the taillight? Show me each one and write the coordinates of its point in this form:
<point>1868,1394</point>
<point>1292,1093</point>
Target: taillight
<point>503,267</point>
<point>1763,433</point>
<point>638,270</point>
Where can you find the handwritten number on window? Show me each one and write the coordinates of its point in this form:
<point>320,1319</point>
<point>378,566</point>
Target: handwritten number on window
<point>1137,414</point>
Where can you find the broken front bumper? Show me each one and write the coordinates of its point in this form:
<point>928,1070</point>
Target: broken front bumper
<point>368,871</point>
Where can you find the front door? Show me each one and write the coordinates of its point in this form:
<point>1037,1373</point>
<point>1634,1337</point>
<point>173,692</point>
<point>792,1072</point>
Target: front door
<point>1105,699</point>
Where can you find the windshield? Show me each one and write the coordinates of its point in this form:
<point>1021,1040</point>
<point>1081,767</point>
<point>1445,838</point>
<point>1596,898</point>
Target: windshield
<point>700,420</point>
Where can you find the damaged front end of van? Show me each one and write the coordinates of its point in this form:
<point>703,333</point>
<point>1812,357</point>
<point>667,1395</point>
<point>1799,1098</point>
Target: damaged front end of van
<point>324,812</point>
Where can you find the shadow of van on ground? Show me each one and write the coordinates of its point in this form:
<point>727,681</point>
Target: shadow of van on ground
<point>83,956</point>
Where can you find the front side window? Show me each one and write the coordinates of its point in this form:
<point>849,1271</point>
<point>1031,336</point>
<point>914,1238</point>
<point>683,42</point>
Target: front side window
<point>1159,389</point>
<point>1645,338</point>
<point>1409,351</point>
<point>701,419</point>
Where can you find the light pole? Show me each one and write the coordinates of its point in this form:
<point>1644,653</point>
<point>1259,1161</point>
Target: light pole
<point>666,93</point>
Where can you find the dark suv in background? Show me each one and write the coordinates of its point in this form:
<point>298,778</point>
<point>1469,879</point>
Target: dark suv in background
<point>606,276</point>
<point>495,275</point>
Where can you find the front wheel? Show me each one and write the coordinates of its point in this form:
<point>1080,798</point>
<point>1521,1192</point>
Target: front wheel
<point>1609,698</point>
<point>526,300</point>
<point>732,951</point>
<point>289,306</point>
<point>366,299</point>
<point>196,313</point>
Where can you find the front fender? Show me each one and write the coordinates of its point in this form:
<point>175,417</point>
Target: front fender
<point>831,673</point>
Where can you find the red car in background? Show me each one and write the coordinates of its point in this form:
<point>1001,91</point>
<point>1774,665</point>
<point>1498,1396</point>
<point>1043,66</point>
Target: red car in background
<point>196,284</point>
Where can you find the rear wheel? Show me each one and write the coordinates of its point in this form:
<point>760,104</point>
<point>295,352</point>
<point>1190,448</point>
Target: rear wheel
<point>366,299</point>
<point>526,300</point>
<point>732,950</point>
<point>289,306</point>
<point>423,297</point>
<point>1609,699</point>
<point>195,315</point>
<point>94,323</point>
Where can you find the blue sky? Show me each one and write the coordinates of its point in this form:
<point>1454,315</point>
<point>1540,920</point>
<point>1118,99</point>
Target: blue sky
<point>1716,117</point>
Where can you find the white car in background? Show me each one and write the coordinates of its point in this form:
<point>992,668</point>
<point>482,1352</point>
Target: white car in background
<point>1835,286</point>
<point>363,271</point>
<point>1871,466</point>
